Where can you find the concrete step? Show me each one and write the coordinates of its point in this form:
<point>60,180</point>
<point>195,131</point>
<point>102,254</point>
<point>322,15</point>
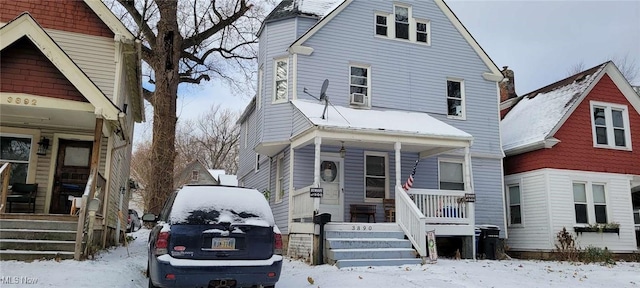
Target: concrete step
<point>36,245</point>
<point>378,253</point>
<point>23,255</point>
<point>38,224</point>
<point>360,243</point>
<point>37,234</point>
<point>377,262</point>
<point>364,234</point>
<point>341,226</point>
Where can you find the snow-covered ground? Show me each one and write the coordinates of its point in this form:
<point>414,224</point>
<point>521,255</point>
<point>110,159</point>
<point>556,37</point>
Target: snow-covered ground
<point>124,267</point>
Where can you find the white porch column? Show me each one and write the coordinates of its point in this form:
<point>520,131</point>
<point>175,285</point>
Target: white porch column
<point>468,188</point>
<point>316,172</point>
<point>397,146</point>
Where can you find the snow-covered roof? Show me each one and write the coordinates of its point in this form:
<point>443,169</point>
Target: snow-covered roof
<point>536,114</point>
<point>313,8</point>
<point>216,172</point>
<point>228,180</point>
<point>400,122</point>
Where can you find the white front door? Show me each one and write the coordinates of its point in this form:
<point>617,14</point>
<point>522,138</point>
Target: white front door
<point>331,175</point>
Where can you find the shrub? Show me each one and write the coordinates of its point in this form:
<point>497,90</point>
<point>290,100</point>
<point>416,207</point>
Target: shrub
<point>594,254</point>
<point>566,246</point>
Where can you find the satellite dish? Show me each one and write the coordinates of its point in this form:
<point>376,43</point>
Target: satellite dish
<point>323,90</point>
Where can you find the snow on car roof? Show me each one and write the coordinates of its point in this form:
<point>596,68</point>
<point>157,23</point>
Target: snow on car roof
<point>228,204</point>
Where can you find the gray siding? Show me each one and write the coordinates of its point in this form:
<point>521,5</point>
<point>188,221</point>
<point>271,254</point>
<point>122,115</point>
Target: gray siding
<point>304,24</point>
<point>300,123</point>
<point>487,184</point>
<point>280,210</point>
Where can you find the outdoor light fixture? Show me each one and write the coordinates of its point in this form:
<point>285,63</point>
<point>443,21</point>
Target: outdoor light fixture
<point>343,151</point>
<point>43,146</point>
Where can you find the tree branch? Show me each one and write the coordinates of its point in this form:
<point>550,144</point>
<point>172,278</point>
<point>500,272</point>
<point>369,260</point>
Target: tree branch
<point>196,80</point>
<point>199,37</point>
<point>148,95</point>
<point>129,5</point>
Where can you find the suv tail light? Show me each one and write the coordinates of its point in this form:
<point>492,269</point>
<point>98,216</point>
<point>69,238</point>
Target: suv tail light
<point>162,243</point>
<point>277,243</point>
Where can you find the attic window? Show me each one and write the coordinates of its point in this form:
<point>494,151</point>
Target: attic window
<point>194,175</point>
<point>610,125</point>
<point>399,24</point>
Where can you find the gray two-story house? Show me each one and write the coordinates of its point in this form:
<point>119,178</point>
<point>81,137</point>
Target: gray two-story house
<point>391,108</point>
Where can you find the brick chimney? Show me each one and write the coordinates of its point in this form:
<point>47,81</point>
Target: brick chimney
<point>507,85</point>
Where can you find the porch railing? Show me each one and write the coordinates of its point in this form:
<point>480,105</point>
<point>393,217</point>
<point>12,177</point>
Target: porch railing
<point>442,206</point>
<point>412,221</point>
<point>5,173</point>
<point>302,203</point>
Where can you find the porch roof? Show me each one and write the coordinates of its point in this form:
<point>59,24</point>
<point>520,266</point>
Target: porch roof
<point>375,121</point>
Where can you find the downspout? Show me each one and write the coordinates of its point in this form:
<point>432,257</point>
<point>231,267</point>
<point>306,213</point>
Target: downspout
<point>122,190</point>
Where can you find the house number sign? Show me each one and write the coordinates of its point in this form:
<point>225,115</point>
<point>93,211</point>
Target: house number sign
<point>315,192</point>
<point>23,101</point>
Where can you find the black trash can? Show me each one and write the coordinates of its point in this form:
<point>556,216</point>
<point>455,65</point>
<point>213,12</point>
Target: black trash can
<point>489,241</point>
<point>321,219</point>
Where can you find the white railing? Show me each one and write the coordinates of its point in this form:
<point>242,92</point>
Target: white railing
<point>412,221</point>
<point>442,206</point>
<point>302,203</point>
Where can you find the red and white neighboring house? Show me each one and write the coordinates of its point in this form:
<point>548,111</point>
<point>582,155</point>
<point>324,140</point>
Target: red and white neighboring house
<point>573,161</point>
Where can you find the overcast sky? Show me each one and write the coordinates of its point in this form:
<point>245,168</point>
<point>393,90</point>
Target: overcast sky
<point>539,40</point>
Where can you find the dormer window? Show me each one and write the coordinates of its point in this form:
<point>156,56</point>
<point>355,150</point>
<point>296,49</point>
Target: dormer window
<point>403,26</point>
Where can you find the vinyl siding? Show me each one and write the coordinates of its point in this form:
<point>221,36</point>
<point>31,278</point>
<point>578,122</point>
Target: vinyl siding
<point>300,123</point>
<point>534,233</point>
<point>487,184</point>
<point>304,24</point>
<point>280,210</point>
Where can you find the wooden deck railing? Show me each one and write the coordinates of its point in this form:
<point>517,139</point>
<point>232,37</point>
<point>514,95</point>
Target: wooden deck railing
<point>302,203</point>
<point>442,206</point>
<point>412,221</point>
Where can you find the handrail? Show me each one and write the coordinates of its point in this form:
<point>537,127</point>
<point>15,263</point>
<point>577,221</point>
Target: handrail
<point>412,221</point>
<point>82,217</point>
<point>442,206</point>
<point>302,203</point>
<point>5,172</point>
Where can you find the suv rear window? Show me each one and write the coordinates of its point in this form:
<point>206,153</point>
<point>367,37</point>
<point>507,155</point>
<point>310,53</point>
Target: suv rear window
<point>199,205</point>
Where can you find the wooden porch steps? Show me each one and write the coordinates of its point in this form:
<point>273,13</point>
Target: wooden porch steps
<point>368,244</point>
<point>32,239</point>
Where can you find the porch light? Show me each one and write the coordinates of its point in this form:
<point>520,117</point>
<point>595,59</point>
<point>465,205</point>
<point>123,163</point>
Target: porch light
<point>343,151</point>
<point>43,146</point>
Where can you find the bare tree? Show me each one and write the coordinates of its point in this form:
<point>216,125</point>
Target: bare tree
<point>187,41</point>
<point>627,66</point>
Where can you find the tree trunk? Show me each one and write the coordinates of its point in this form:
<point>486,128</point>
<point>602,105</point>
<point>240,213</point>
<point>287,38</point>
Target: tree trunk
<point>166,67</point>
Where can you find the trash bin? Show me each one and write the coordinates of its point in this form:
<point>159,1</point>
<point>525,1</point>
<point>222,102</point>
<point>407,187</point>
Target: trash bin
<point>477,232</point>
<point>489,240</point>
<point>321,219</point>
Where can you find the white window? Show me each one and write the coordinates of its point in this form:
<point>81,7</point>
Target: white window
<point>194,175</point>
<point>451,175</point>
<point>610,125</point>
<point>375,176</point>
<point>359,87</point>
<point>400,24</point>
<point>257,162</point>
<point>455,98</point>
<point>280,80</point>
<point>515,206</point>
<point>259,94</point>
<point>279,179</point>
<point>590,203</point>
<point>16,149</point>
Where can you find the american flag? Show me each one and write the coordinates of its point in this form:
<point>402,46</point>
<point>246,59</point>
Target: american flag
<point>407,185</point>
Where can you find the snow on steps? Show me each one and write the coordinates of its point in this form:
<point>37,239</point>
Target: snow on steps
<point>368,244</point>
<point>28,240</point>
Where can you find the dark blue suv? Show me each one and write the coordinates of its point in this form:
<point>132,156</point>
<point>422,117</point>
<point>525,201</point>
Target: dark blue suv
<point>214,236</point>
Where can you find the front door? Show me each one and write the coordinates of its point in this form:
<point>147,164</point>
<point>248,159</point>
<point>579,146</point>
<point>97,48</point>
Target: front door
<point>72,172</point>
<point>332,200</point>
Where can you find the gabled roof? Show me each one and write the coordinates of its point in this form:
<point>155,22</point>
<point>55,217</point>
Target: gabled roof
<point>537,116</point>
<point>25,26</point>
<point>109,19</point>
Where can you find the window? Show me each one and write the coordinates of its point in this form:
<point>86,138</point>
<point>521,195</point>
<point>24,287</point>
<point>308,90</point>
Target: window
<point>455,98</point>
<point>515,207</point>
<point>375,176</point>
<point>257,162</point>
<point>259,94</point>
<point>194,175</point>
<point>279,179</point>
<point>359,85</point>
<point>590,203</point>
<point>451,175</point>
<point>610,124</point>
<point>422,32</point>
<point>402,22</point>
<point>280,76</point>
<point>16,149</point>
<point>381,24</point>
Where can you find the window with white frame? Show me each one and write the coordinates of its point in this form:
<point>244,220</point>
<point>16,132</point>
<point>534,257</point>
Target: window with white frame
<point>590,203</point>
<point>451,175</point>
<point>610,125</point>
<point>359,85</point>
<point>279,179</point>
<point>375,176</point>
<point>16,149</point>
<point>455,98</point>
<point>257,162</point>
<point>401,25</point>
<point>280,80</point>
<point>259,94</point>
<point>515,206</point>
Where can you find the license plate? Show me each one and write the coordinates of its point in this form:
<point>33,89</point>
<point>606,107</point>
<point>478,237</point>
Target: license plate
<point>223,243</point>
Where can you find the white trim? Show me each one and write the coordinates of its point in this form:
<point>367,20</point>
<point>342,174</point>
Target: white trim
<point>246,133</point>
<point>590,202</point>
<point>428,32</point>
<point>259,94</point>
<point>453,160</point>
<point>109,19</point>
<point>294,77</point>
<point>25,25</point>
<point>411,24</point>
<point>46,102</point>
<point>34,135</point>
<point>367,67</point>
<point>463,101</point>
<point>279,184</point>
<point>608,107</point>
<point>299,49</point>
<point>387,16</point>
<point>291,189</point>
<point>386,176</point>
<point>256,168</point>
<point>519,185</point>
<point>275,75</point>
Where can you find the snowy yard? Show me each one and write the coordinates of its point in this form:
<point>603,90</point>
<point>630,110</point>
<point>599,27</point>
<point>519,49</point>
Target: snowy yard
<point>116,268</point>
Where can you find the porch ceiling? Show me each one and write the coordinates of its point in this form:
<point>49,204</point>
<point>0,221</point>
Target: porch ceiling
<point>47,117</point>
